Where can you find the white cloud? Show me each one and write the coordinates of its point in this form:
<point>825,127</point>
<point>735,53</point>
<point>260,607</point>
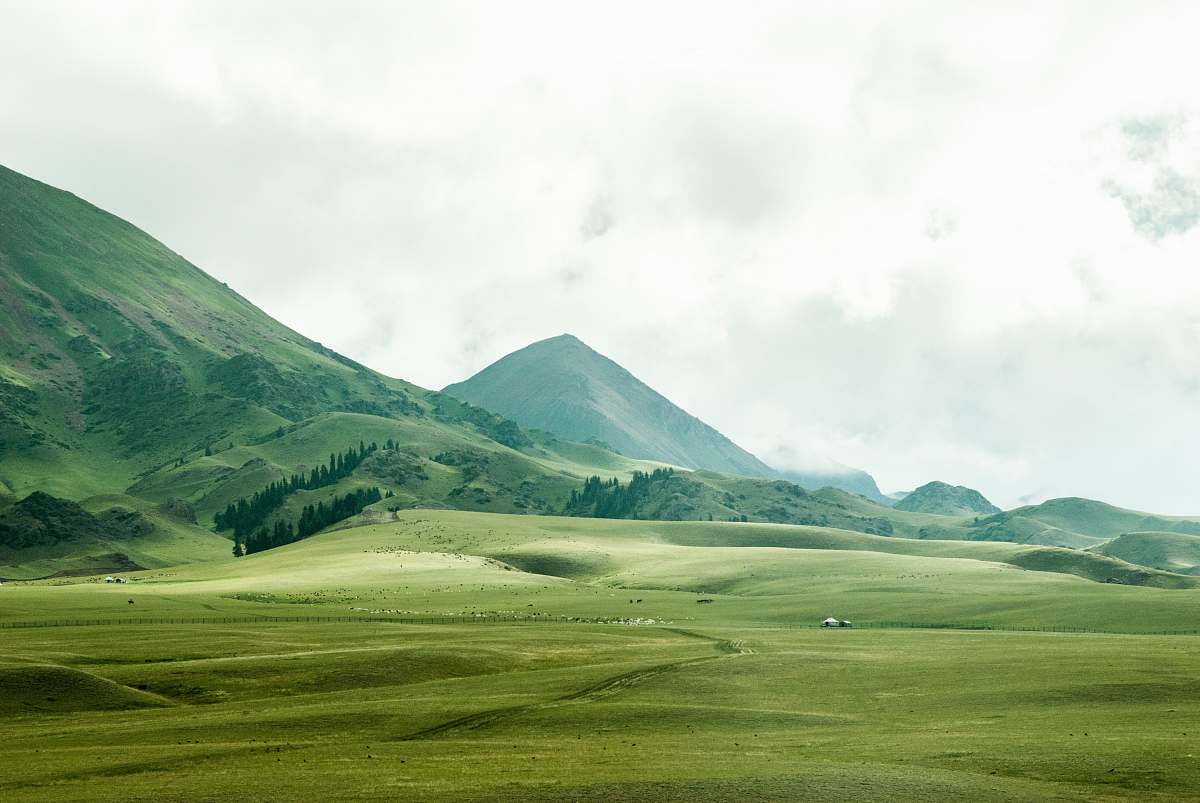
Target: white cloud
<point>930,241</point>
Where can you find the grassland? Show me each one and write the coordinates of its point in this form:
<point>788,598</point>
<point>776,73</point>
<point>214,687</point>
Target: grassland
<point>613,684</point>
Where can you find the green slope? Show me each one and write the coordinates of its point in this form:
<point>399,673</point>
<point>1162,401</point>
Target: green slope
<point>133,533</point>
<point>118,356</point>
<point>456,562</point>
<point>1073,522</point>
<point>42,689</point>
<point>1170,552</point>
<point>437,464</point>
<point>946,500</point>
<point>563,386</point>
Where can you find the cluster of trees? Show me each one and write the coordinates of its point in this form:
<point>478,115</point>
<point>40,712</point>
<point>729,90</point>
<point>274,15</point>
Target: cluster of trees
<point>246,515</point>
<point>313,518</point>
<point>609,499</point>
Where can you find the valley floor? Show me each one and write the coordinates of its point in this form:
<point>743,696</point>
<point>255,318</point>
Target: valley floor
<point>737,699</point>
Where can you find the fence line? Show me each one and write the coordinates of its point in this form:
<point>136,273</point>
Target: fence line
<point>239,620</point>
<point>526,619</point>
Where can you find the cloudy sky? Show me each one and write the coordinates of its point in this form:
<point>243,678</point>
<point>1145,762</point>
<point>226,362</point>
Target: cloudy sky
<point>927,242</point>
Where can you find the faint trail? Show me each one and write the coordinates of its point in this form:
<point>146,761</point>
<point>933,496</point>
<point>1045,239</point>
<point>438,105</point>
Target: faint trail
<point>732,647</point>
<point>596,691</point>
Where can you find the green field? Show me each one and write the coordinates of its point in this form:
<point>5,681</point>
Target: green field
<point>574,662</point>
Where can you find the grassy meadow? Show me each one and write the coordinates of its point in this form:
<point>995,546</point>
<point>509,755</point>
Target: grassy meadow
<point>587,693</point>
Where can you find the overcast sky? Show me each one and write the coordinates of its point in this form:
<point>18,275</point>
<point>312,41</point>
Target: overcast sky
<point>927,242</point>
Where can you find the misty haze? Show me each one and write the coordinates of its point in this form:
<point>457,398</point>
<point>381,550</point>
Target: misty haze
<point>562,401</point>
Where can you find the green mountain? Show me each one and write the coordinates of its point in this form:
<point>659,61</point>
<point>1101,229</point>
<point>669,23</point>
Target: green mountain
<point>128,373</point>
<point>117,356</point>
<point>946,500</point>
<point>563,386</point>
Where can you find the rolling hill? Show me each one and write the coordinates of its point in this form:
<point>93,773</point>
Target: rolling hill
<point>543,658</point>
<point>1074,522</point>
<point>1170,552</point>
<point>563,386</point>
<point>946,500</point>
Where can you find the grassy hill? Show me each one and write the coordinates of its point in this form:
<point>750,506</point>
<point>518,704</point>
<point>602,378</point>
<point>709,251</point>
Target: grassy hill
<point>561,385</point>
<point>117,356</point>
<point>946,500</point>
<point>1171,552</point>
<point>1073,522</point>
<point>458,562</point>
<point>128,534</point>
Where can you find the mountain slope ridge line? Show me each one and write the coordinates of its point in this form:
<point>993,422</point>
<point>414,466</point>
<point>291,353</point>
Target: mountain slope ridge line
<point>562,385</point>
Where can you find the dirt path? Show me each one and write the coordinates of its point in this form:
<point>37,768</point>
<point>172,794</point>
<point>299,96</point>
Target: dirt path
<point>596,691</point>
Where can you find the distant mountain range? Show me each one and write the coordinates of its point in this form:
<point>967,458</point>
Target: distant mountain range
<point>133,382</point>
<point>563,386</point>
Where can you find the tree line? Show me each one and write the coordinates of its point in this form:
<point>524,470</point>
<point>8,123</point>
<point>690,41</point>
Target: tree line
<point>313,519</point>
<point>245,515</point>
<point>610,499</point>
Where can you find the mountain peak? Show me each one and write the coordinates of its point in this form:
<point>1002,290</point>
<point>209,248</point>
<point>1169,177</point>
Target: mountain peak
<point>565,343</point>
<point>563,386</point>
<point>946,500</point>
<point>565,337</point>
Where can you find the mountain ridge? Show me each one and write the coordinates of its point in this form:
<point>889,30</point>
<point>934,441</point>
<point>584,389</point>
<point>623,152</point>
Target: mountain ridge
<point>562,385</point>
